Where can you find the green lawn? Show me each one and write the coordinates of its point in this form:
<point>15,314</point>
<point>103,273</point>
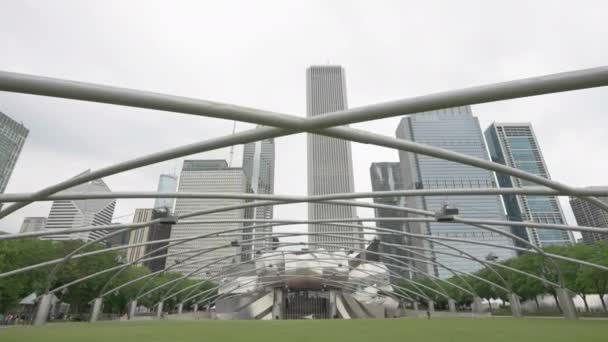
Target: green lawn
<point>440,330</point>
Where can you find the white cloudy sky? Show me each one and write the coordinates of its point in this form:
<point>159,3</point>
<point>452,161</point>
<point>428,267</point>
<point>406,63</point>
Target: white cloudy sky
<point>255,53</point>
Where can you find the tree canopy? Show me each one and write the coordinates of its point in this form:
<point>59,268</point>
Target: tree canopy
<point>15,254</point>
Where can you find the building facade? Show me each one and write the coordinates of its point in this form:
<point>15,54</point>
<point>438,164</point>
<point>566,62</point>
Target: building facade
<point>386,176</point>
<point>166,183</point>
<point>454,129</point>
<point>139,235</point>
<point>69,214</point>
<point>207,176</point>
<point>258,166</point>
<point>12,138</point>
<point>589,215</point>
<point>154,232</point>
<point>329,160</point>
<point>515,145</point>
<point>32,224</point>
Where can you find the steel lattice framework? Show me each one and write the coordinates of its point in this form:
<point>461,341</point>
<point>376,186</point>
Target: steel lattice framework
<point>273,125</point>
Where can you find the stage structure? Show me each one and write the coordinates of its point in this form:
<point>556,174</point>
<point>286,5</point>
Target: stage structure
<point>325,281</point>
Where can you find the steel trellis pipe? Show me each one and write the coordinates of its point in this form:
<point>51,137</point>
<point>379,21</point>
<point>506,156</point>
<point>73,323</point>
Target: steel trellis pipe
<point>533,190</point>
<point>68,89</point>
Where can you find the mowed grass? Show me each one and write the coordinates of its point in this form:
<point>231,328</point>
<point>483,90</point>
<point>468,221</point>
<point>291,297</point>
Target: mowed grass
<point>394,330</point>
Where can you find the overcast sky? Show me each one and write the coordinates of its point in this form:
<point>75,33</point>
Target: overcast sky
<point>254,53</point>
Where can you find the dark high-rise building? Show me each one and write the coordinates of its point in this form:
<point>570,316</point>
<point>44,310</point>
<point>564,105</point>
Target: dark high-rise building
<point>515,145</point>
<point>154,232</point>
<point>590,215</point>
<point>330,162</point>
<point>12,138</point>
<point>387,177</point>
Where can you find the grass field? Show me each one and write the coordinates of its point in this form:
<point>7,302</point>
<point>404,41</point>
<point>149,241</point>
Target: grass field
<point>436,330</point>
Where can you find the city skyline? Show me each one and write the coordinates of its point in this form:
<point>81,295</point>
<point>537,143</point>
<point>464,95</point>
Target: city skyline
<point>73,135</point>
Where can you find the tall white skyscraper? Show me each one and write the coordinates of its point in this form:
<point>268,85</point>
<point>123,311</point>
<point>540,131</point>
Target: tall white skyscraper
<point>454,129</point>
<point>67,214</point>
<point>207,176</point>
<point>330,162</point>
<point>166,183</point>
<point>258,165</point>
<point>515,145</point>
<point>12,138</point>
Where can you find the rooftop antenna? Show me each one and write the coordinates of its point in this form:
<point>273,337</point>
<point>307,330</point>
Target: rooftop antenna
<point>232,147</point>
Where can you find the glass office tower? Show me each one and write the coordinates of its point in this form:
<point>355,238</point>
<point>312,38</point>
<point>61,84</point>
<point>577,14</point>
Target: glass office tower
<point>12,138</point>
<point>454,129</point>
<point>515,145</point>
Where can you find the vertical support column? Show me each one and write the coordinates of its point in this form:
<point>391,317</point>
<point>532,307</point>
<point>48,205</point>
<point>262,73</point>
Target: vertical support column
<point>333,309</point>
<point>180,308</point>
<point>159,310</point>
<point>451,305</point>
<point>96,310</point>
<point>515,305</point>
<point>277,303</point>
<point>132,308</point>
<point>195,308</point>
<point>431,306</point>
<point>477,308</point>
<point>44,306</point>
<point>566,303</point>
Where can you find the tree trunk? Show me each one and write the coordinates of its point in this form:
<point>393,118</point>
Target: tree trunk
<point>603,302</point>
<point>584,296</point>
<point>557,302</point>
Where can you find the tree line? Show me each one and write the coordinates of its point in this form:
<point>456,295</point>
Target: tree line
<point>583,280</point>
<point>15,254</point>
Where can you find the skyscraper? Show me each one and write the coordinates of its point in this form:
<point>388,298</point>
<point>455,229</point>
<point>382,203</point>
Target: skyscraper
<point>32,224</point>
<point>139,235</point>
<point>207,176</point>
<point>166,183</point>
<point>590,215</point>
<point>515,145</point>
<point>258,165</point>
<point>330,162</point>
<point>66,214</point>
<point>154,232</point>
<point>12,138</point>
<point>387,177</point>
<point>458,130</point>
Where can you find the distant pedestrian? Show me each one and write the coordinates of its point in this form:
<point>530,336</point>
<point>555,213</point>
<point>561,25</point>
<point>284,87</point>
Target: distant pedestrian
<point>428,314</point>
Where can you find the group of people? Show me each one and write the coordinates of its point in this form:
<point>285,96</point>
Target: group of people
<point>14,319</point>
